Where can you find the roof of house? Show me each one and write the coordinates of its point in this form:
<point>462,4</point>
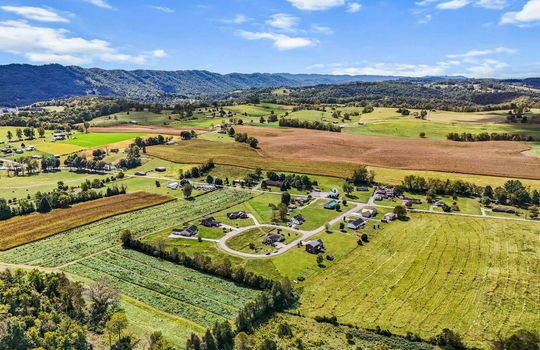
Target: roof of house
<point>315,243</point>
<point>357,222</point>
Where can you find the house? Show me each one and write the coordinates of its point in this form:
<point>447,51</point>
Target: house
<point>389,217</point>
<point>169,143</point>
<point>334,193</point>
<point>59,136</point>
<point>378,197</point>
<point>292,206</point>
<point>30,148</point>
<point>114,150</point>
<point>160,169</point>
<point>209,188</point>
<point>362,189</point>
<point>303,201</point>
<point>331,205</point>
<point>19,151</point>
<point>504,210</point>
<point>109,167</point>
<point>173,185</point>
<point>356,224</point>
<point>369,213</point>
<point>140,173</point>
<point>315,247</point>
<point>298,220</point>
<point>36,156</point>
<point>237,215</point>
<point>210,222</point>
<point>188,231</point>
<point>273,238</point>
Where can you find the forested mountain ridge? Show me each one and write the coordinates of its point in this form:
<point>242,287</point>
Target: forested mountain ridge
<point>22,84</point>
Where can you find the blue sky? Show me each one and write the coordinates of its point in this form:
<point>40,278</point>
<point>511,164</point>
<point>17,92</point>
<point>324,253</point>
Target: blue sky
<point>477,38</point>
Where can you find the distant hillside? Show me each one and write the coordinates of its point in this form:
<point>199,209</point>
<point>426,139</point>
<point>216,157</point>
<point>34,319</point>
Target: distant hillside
<point>25,84</point>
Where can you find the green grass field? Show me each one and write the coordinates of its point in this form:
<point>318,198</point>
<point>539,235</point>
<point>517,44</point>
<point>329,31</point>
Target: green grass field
<point>22,186</point>
<point>255,236</point>
<point>78,243</point>
<point>476,276</point>
<point>100,139</point>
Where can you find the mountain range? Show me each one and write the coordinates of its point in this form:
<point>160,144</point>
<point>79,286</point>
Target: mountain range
<point>22,84</point>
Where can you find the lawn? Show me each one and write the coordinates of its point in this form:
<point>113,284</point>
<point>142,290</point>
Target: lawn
<point>100,139</point>
<point>315,214</point>
<point>96,237</point>
<point>475,276</point>
<point>255,237</point>
<point>29,228</point>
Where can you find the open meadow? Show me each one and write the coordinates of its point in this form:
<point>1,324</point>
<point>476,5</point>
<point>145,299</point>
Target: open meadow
<point>478,277</point>
<point>95,139</point>
<point>29,228</point>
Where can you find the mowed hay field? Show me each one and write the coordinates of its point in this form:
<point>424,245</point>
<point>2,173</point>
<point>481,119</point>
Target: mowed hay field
<point>24,229</point>
<point>476,276</point>
<point>501,158</point>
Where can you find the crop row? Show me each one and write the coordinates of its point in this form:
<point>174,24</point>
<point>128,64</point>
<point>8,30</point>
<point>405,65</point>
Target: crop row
<point>93,238</point>
<point>150,297</point>
<point>241,294</point>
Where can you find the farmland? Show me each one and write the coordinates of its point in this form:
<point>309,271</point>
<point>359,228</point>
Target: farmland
<point>403,279</point>
<point>25,229</point>
<point>90,239</point>
<point>174,289</point>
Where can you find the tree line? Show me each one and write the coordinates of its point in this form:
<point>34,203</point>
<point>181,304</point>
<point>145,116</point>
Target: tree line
<point>468,137</point>
<point>60,197</point>
<point>308,124</point>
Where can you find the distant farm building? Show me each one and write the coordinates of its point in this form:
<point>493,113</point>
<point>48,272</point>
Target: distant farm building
<point>315,247</point>
<point>188,231</point>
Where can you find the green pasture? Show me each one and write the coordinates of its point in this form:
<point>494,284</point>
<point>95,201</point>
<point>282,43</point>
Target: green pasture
<point>94,139</point>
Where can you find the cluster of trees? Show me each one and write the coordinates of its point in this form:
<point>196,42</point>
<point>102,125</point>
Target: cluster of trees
<point>300,182</point>
<point>221,337</point>
<point>307,124</point>
<point>80,162</point>
<point>48,311</point>
<point>151,141</point>
<point>244,138</point>
<point>60,197</point>
<point>188,135</point>
<point>133,158</point>
<point>513,192</point>
<point>362,176</point>
<point>419,184</point>
<point>29,133</point>
<point>468,137</point>
<point>198,171</point>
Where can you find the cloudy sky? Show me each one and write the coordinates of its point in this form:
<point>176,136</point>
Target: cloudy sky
<point>477,38</point>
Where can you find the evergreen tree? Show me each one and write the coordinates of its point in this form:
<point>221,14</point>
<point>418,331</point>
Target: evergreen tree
<point>44,205</point>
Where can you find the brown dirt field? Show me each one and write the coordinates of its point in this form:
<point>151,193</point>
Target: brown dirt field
<point>142,129</point>
<point>502,158</point>
<point>25,229</point>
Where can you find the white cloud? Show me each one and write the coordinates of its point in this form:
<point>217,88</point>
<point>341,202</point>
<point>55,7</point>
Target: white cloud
<point>35,13</point>
<point>529,14</point>
<point>163,9</point>
<point>283,21</point>
<point>477,53</point>
<point>354,7</point>
<point>159,53</point>
<point>316,5</point>
<point>315,28</point>
<point>453,4</point>
<point>488,68</point>
<point>458,4</point>
<point>100,3</point>
<point>281,42</point>
<point>399,69</point>
<point>51,45</point>
<point>237,19</point>
<point>426,19</point>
